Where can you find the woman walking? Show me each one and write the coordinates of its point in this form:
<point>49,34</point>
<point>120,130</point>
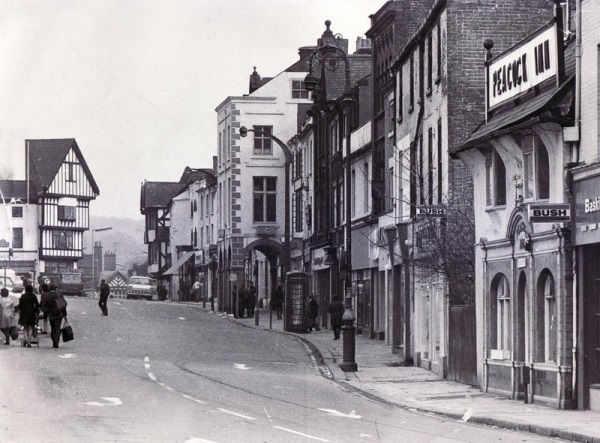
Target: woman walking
<point>7,314</point>
<point>28,313</point>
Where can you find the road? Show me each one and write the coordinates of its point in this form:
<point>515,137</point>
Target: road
<point>165,372</point>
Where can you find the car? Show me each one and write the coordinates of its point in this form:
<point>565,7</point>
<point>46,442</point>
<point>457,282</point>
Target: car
<point>141,288</point>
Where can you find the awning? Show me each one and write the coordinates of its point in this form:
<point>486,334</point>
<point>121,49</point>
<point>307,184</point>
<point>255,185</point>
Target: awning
<point>175,268</point>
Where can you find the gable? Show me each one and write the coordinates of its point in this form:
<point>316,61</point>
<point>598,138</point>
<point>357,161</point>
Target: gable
<point>71,178</point>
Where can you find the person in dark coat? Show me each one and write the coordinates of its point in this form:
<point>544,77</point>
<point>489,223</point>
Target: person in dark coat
<point>312,313</point>
<point>336,309</point>
<point>55,316</point>
<point>277,302</point>
<point>104,293</point>
<point>251,300</point>
<point>28,312</point>
<point>44,306</point>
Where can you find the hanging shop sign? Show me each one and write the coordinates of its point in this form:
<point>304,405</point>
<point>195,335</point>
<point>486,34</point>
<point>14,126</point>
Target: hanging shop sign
<point>432,211</point>
<point>549,213</point>
<point>524,66</point>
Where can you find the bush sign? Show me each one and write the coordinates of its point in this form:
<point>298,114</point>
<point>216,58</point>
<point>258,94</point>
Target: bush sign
<point>549,213</point>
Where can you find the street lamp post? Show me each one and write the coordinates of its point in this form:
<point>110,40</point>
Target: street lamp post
<point>94,258</point>
<point>288,161</point>
<point>7,243</point>
<point>322,53</point>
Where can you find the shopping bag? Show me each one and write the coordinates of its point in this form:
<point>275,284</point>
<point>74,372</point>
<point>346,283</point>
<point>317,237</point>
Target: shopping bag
<point>67,332</point>
<point>14,332</point>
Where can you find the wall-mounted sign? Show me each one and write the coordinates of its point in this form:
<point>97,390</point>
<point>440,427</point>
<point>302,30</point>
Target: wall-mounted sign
<point>4,243</point>
<point>528,64</point>
<point>432,211</point>
<point>549,213</point>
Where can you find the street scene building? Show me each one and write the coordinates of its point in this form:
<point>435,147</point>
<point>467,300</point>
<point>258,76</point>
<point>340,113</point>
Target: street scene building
<point>48,212</point>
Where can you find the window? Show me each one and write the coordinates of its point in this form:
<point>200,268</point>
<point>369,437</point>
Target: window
<point>391,115</point>
<point>439,53</point>
<point>298,211</point>
<point>154,249</point>
<point>500,318</point>
<point>411,97</point>
<point>70,171</point>
<point>151,220</point>
<point>333,137</point>
<point>66,213</point>
<point>495,179</point>
<point>546,324</point>
<point>440,163</point>
<point>421,167</point>
<point>298,90</point>
<point>429,62</point>
<point>536,167</point>
<point>400,94</point>
<point>62,239</point>
<point>430,166</point>
<point>262,141</point>
<point>366,192</point>
<point>265,199</point>
<point>353,195</point>
<point>392,188</point>
<point>17,240</point>
<point>17,212</point>
<point>298,164</point>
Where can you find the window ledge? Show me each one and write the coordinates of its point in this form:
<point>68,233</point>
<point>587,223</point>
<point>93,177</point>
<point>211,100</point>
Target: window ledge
<point>495,208</point>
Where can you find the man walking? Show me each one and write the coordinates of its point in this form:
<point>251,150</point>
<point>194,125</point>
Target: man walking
<point>313,313</point>
<point>104,293</point>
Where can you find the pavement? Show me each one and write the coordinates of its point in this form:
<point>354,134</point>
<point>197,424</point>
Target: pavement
<point>381,377</point>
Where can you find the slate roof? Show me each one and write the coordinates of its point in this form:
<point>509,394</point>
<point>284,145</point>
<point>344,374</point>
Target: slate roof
<point>528,108</point>
<point>17,190</point>
<point>46,157</point>
<point>158,194</point>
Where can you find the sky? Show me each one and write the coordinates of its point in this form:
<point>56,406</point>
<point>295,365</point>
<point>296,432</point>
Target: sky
<point>136,82</point>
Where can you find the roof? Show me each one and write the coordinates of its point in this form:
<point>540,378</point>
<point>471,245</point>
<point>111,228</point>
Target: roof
<point>158,194</point>
<point>191,175</point>
<point>529,107</point>
<point>15,191</point>
<point>46,157</point>
<point>335,81</point>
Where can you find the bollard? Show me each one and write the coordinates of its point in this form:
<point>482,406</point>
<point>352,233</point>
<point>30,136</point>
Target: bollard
<point>349,336</point>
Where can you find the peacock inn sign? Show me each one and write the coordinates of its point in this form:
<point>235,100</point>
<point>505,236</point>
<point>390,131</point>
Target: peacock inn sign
<point>522,67</point>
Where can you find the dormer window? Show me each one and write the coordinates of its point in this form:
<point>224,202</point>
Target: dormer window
<point>70,172</point>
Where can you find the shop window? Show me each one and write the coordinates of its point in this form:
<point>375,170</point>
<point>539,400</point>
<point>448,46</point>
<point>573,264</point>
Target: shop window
<point>265,196</point>
<point>500,318</point>
<point>546,324</point>
<point>495,172</point>
<point>536,168</point>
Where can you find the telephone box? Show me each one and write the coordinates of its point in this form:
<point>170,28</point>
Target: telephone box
<point>296,299</point>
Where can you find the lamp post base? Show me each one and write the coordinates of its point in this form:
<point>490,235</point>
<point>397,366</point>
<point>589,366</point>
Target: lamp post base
<point>348,358</point>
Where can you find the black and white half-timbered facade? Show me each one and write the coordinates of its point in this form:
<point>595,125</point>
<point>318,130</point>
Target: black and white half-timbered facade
<point>49,211</point>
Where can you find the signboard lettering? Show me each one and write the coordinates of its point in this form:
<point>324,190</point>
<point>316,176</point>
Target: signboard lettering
<point>523,67</point>
<point>549,213</point>
<point>592,205</point>
<point>432,211</point>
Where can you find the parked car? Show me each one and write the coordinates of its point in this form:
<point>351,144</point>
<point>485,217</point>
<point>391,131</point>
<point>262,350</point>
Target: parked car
<point>141,288</point>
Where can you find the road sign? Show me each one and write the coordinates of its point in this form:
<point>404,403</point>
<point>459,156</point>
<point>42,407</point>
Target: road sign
<point>549,213</point>
<point>233,277</point>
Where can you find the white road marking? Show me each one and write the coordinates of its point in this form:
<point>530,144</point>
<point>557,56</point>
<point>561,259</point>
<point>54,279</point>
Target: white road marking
<point>168,388</point>
<point>198,440</point>
<point>189,397</point>
<point>152,377</point>
<point>241,366</point>
<point>147,365</point>
<point>467,415</point>
<point>84,313</point>
<point>247,417</point>
<point>365,435</point>
<point>66,356</point>
<point>146,359</point>
<point>112,401</point>
<point>119,339</point>
<point>300,433</point>
<point>180,318</point>
<point>267,414</point>
<point>340,414</point>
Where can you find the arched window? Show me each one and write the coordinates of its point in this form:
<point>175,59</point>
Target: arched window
<point>500,316</point>
<point>495,179</point>
<point>536,168</point>
<point>546,324</point>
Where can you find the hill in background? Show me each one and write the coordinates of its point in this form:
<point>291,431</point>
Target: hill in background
<point>126,239</point>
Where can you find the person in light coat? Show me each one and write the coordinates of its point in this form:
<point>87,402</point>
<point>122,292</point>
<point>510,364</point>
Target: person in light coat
<point>7,314</point>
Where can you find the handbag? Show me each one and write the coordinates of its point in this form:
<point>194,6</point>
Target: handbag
<point>67,332</point>
<point>14,332</point>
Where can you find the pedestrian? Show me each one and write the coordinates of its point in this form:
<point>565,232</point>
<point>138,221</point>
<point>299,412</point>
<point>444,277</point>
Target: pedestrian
<point>7,314</point>
<point>28,313</point>
<point>104,293</point>
<point>277,302</point>
<point>25,281</point>
<point>251,300</point>
<point>313,313</point>
<point>55,314</point>
<point>44,306</point>
<point>243,295</point>
<point>197,290</point>
<point>336,309</point>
